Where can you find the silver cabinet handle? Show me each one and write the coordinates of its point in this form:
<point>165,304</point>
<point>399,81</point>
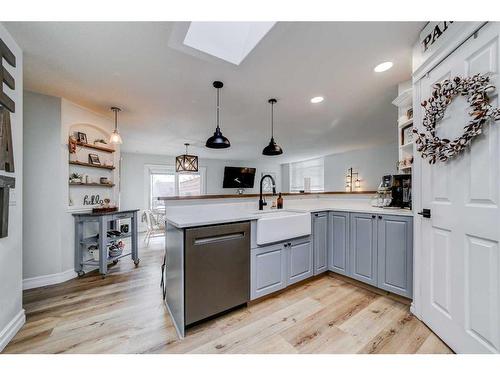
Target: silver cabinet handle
<point>224,237</point>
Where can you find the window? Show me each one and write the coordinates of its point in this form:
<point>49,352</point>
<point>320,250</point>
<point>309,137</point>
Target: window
<point>164,181</point>
<point>313,169</point>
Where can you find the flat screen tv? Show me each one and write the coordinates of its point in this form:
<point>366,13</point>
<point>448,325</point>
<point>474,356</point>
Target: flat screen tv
<point>238,178</point>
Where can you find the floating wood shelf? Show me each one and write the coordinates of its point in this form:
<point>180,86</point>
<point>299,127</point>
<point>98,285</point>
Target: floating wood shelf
<point>90,184</point>
<point>82,164</point>
<point>94,147</point>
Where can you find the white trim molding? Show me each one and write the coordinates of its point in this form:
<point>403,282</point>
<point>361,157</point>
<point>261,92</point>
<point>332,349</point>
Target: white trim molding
<point>11,329</point>
<point>56,278</point>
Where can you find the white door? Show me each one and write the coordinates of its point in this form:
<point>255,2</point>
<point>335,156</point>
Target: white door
<point>460,272</point>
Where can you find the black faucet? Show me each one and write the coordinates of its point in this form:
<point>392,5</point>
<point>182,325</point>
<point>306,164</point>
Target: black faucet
<point>262,203</point>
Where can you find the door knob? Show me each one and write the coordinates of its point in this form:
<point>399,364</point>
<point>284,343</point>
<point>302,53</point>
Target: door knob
<point>374,216</point>
<point>426,212</point>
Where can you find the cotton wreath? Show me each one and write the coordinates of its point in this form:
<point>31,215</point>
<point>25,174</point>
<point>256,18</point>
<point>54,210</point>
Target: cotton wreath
<point>476,90</point>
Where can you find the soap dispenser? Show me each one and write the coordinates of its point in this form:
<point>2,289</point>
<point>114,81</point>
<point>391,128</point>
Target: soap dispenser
<point>280,201</point>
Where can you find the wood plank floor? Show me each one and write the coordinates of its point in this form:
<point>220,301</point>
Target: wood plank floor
<point>124,313</point>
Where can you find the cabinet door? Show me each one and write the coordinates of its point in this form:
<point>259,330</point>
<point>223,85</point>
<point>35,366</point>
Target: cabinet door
<point>338,242</point>
<point>395,254</point>
<point>300,260</point>
<point>320,228</point>
<point>363,248</point>
<point>268,270</point>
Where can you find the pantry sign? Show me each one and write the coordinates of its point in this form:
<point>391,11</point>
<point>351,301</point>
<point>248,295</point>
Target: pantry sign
<point>437,40</point>
<point>433,32</point>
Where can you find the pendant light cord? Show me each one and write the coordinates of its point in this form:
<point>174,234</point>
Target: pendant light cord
<point>218,108</point>
<point>116,120</point>
<point>272,119</point>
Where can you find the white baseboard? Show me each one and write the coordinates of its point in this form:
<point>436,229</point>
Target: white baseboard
<point>11,329</point>
<point>56,278</point>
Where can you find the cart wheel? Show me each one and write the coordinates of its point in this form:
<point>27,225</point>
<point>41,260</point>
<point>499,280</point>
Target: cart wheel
<point>115,261</point>
<point>80,273</point>
<point>136,262</point>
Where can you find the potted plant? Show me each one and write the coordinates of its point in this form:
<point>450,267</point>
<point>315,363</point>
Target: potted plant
<point>75,178</point>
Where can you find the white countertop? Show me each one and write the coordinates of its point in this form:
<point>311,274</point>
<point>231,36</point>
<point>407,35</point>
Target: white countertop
<point>195,215</point>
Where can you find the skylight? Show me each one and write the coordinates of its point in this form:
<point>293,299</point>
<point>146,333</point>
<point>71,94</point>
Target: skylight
<point>229,41</point>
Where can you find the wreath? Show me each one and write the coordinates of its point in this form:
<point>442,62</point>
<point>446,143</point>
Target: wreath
<point>476,90</point>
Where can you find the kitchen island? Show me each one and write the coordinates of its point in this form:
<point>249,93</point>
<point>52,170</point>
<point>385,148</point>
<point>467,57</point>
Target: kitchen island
<point>277,248</point>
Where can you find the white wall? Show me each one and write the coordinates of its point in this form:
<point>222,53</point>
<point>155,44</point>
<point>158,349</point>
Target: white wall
<point>43,193</point>
<point>11,310</point>
<point>134,188</point>
<point>371,163</point>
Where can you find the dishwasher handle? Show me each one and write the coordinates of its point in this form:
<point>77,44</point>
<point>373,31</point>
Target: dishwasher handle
<point>218,238</point>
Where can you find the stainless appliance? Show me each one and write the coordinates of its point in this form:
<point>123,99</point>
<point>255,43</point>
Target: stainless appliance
<point>401,190</point>
<point>217,269</point>
<point>394,191</point>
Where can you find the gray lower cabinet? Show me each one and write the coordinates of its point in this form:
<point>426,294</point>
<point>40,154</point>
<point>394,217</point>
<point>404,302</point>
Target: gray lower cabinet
<point>374,249</point>
<point>268,267</point>
<point>363,248</point>
<point>276,266</point>
<point>320,241</point>
<point>395,254</point>
<point>300,260</point>
<point>338,242</point>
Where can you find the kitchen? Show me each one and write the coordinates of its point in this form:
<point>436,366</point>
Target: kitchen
<point>203,202</point>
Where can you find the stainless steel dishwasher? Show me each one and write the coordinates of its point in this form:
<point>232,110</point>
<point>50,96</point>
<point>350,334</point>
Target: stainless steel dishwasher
<point>217,269</point>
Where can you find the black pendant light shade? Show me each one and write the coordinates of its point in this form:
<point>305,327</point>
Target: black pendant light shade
<point>218,140</point>
<point>186,162</point>
<point>272,149</point>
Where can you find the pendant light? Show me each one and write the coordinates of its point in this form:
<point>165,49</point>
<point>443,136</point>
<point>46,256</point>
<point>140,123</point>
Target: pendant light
<point>115,137</point>
<point>186,162</point>
<point>272,149</point>
<point>218,140</point>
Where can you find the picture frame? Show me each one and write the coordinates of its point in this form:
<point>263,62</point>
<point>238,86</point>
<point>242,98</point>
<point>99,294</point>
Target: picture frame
<point>407,135</point>
<point>81,137</point>
<point>94,159</point>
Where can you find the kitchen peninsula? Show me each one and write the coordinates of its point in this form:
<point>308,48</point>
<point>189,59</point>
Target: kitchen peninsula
<point>220,256</point>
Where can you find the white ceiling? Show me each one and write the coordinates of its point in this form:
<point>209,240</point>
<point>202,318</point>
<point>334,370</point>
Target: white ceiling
<point>165,88</point>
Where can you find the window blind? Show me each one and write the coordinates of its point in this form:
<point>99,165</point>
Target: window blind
<point>314,169</point>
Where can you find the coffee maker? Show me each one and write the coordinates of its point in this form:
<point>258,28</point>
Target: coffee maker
<point>394,191</point>
<point>401,190</point>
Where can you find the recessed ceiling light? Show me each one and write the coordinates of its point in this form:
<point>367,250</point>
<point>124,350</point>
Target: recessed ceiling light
<point>317,99</point>
<point>383,67</point>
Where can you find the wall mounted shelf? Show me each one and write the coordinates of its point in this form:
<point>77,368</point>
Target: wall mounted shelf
<point>404,102</point>
<point>91,184</point>
<point>405,99</point>
<point>82,164</point>
<point>405,123</point>
<point>94,147</point>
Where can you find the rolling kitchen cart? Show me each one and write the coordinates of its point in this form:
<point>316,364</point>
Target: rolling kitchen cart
<point>105,222</point>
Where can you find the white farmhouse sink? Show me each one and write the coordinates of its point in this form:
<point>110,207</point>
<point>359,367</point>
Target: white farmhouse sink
<point>275,226</point>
